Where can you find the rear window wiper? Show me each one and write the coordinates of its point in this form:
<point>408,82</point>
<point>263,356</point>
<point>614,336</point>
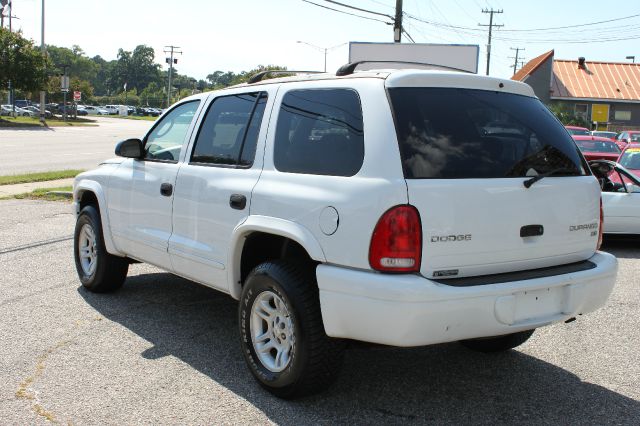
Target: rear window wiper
<point>527,183</point>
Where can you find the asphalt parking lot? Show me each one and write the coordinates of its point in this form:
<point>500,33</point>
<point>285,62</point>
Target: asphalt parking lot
<point>164,350</point>
<point>26,150</point>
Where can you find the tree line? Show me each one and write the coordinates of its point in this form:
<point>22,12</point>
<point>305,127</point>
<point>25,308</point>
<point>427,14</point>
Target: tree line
<point>134,77</point>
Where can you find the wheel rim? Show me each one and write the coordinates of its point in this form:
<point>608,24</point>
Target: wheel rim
<point>272,331</point>
<point>88,250</point>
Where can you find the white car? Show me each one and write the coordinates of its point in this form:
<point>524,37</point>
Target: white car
<point>358,205</point>
<point>94,110</point>
<point>620,197</point>
<point>8,110</point>
<point>112,109</point>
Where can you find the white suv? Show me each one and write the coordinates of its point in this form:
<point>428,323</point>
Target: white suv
<point>398,207</point>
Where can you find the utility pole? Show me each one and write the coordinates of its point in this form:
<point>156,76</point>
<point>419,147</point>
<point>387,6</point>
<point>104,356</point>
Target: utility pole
<point>515,63</point>
<point>491,25</point>
<point>172,50</point>
<point>44,53</point>
<point>397,22</point>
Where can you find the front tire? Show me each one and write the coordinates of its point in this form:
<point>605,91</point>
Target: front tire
<point>498,343</point>
<point>282,334</point>
<point>99,271</point>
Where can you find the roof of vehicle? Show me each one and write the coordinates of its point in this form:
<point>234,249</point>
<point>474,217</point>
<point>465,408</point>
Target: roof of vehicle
<point>591,138</point>
<point>410,78</point>
<point>631,146</point>
<point>576,128</point>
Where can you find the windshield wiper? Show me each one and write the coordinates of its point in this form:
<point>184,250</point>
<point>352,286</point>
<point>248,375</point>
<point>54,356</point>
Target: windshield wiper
<point>527,183</point>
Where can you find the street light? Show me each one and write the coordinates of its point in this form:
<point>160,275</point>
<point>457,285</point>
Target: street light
<point>322,49</point>
<point>633,58</point>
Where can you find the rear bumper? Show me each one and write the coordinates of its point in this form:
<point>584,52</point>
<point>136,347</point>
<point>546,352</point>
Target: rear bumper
<point>409,310</point>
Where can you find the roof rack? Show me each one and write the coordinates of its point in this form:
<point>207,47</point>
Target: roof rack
<point>259,76</point>
<point>349,68</point>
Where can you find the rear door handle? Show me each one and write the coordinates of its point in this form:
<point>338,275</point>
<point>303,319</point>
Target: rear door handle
<point>238,201</point>
<point>166,189</point>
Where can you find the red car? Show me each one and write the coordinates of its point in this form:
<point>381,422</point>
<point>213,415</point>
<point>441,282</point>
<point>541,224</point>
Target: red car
<point>630,158</point>
<point>597,148</point>
<point>629,136</point>
<point>575,130</point>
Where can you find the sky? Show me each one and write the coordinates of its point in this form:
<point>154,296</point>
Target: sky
<point>239,35</point>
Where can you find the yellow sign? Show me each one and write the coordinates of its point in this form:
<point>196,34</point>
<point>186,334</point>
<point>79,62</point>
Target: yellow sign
<point>600,113</point>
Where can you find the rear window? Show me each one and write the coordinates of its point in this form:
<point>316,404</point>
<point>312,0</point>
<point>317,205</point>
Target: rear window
<point>447,133</point>
<point>598,146</point>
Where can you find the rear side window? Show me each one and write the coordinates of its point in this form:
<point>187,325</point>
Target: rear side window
<point>229,132</point>
<point>319,132</point>
<point>447,133</point>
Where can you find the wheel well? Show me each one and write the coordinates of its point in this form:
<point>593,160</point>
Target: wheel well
<point>88,198</point>
<point>261,247</point>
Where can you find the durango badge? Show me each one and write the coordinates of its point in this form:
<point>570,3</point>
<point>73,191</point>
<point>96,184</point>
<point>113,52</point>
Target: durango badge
<point>450,238</point>
<point>585,227</point>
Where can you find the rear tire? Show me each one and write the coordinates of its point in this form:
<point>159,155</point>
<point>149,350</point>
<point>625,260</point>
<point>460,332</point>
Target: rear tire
<point>282,334</point>
<point>99,271</point>
<point>498,343</point>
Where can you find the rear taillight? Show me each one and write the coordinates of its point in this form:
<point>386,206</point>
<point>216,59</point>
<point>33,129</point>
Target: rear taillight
<point>600,228</point>
<point>396,244</point>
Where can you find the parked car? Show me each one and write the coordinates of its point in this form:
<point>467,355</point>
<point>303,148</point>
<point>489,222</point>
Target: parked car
<point>364,205</point>
<point>620,197</point>
<point>94,110</point>
<point>22,103</point>
<point>111,109</point>
<point>36,111</point>
<point>630,158</point>
<point>629,136</point>
<point>576,130</point>
<point>597,148</point>
<point>603,134</point>
<point>20,112</point>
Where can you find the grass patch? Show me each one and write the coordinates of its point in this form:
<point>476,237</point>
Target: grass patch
<point>138,117</point>
<point>44,194</point>
<point>50,122</point>
<point>38,177</point>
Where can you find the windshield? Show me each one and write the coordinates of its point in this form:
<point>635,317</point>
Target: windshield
<point>447,133</point>
<point>630,159</point>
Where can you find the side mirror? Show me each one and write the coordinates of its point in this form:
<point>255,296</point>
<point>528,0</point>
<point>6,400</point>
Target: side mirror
<point>601,169</point>
<point>625,140</point>
<point>130,148</point>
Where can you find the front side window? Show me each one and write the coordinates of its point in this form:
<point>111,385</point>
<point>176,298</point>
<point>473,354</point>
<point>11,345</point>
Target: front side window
<point>320,132</point>
<point>229,132</point>
<point>447,133</point>
<point>167,137</point>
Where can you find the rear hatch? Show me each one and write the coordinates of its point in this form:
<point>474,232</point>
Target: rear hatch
<point>466,155</point>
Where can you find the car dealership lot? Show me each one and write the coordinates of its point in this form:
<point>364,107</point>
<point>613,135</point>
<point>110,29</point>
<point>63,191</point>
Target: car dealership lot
<point>165,350</point>
<point>56,148</point>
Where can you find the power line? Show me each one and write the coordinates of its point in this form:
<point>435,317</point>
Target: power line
<point>359,9</point>
<point>347,13</point>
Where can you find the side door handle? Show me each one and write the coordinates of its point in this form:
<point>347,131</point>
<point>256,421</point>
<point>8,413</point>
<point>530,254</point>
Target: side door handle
<point>238,201</point>
<point>166,189</point>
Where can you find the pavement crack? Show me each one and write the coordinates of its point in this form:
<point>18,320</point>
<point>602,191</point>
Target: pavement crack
<point>36,244</point>
<point>26,391</point>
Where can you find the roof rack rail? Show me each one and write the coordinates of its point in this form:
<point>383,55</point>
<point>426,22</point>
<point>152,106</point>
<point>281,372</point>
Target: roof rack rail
<point>259,76</point>
<point>349,68</point>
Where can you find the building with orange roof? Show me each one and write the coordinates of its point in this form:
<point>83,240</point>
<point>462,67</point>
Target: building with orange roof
<point>606,94</point>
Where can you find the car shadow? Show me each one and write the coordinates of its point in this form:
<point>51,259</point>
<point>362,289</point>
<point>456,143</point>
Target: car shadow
<point>436,384</point>
<point>626,247</point>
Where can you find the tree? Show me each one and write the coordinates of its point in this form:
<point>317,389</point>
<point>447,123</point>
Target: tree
<point>567,116</point>
<point>21,63</point>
